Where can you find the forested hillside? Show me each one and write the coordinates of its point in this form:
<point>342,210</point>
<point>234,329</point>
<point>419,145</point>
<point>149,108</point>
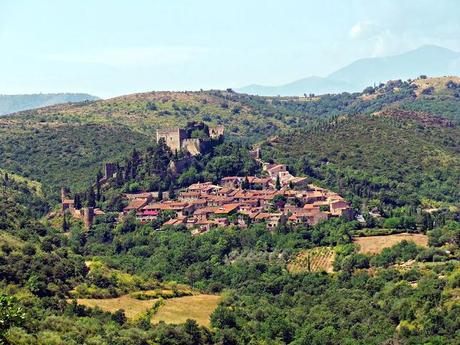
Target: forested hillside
<point>65,144</point>
<point>392,158</point>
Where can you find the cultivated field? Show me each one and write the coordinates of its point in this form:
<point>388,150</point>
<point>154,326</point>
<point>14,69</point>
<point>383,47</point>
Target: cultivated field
<point>375,244</point>
<point>178,310</point>
<point>131,306</point>
<point>313,260</point>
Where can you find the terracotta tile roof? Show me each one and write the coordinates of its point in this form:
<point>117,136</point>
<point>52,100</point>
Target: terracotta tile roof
<point>198,202</point>
<point>135,204</point>
<point>339,205</point>
<point>168,205</point>
<point>227,208</point>
<point>190,194</point>
<point>205,210</point>
<point>175,221</point>
<point>144,195</point>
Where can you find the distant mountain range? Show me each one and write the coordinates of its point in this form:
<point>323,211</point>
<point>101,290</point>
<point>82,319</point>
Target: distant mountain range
<point>13,103</point>
<point>428,60</point>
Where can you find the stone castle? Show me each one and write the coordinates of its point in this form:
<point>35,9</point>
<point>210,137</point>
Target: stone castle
<point>178,139</point>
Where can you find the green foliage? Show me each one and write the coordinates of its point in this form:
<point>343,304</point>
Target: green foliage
<point>65,155</point>
<point>11,314</point>
<point>401,163</point>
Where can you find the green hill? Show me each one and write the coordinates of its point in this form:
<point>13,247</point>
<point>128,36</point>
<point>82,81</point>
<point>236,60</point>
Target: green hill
<point>21,202</point>
<point>393,157</point>
<point>65,144</point>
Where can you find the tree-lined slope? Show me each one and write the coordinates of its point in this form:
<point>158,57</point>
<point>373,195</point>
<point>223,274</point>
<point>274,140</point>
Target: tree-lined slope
<point>392,157</point>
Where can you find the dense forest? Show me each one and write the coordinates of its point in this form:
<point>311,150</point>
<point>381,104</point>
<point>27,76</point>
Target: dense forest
<point>394,159</point>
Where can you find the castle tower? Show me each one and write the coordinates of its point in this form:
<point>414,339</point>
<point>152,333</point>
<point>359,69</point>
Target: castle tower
<point>173,137</point>
<point>88,217</point>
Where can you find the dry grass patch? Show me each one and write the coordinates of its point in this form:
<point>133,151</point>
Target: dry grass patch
<point>375,244</point>
<point>132,307</point>
<point>313,260</point>
<point>178,310</point>
<point>439,83</point>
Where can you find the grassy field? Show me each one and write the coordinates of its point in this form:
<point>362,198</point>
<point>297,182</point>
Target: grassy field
<point>375,244</point>
<point>132,307</point>
<point>174,310</point>
<point>313,260</point>
<point>178,310</point>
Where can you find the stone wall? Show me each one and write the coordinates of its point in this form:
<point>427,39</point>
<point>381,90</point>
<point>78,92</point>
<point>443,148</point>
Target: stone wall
<point>173,137</point>
<point>192,146</point>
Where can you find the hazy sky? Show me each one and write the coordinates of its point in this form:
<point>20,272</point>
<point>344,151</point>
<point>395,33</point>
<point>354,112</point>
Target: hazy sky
<point>116,47</point>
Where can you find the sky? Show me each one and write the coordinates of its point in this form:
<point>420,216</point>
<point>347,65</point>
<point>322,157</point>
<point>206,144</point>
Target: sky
<point>114,47</point>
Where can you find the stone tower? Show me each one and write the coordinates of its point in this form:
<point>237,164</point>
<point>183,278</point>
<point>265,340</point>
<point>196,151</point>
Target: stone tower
<point>88,217</point>
<point>173,137</point>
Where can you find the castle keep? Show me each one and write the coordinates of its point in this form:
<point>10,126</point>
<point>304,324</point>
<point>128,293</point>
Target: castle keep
<point>178,139</point>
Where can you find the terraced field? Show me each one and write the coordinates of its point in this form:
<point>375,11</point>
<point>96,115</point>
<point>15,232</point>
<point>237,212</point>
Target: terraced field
<point>313,260</point>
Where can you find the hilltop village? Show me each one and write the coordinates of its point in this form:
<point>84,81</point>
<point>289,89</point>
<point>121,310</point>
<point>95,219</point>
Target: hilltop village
<point>243,200</point>
<point>274,197</point>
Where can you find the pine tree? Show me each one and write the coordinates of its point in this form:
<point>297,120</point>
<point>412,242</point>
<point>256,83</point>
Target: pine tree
<point>278,183</point>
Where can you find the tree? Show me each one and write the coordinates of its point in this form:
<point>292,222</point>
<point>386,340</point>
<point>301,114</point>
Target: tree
<point>278,183</point>
<point>171,192</point>
<point>119,317</point>
<point>91,197</point>
<point>98,185</point>
<point>245,184</point>
<point>77,201</point>
<point>11,315</point>
<point>65,225</point>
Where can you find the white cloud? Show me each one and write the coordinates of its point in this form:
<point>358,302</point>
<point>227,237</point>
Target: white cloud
<point>363,29</point>
<point>132,57</point>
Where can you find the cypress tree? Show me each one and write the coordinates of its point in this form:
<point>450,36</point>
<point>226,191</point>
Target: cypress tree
<point>65,224</point>
<point>91,197</point>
